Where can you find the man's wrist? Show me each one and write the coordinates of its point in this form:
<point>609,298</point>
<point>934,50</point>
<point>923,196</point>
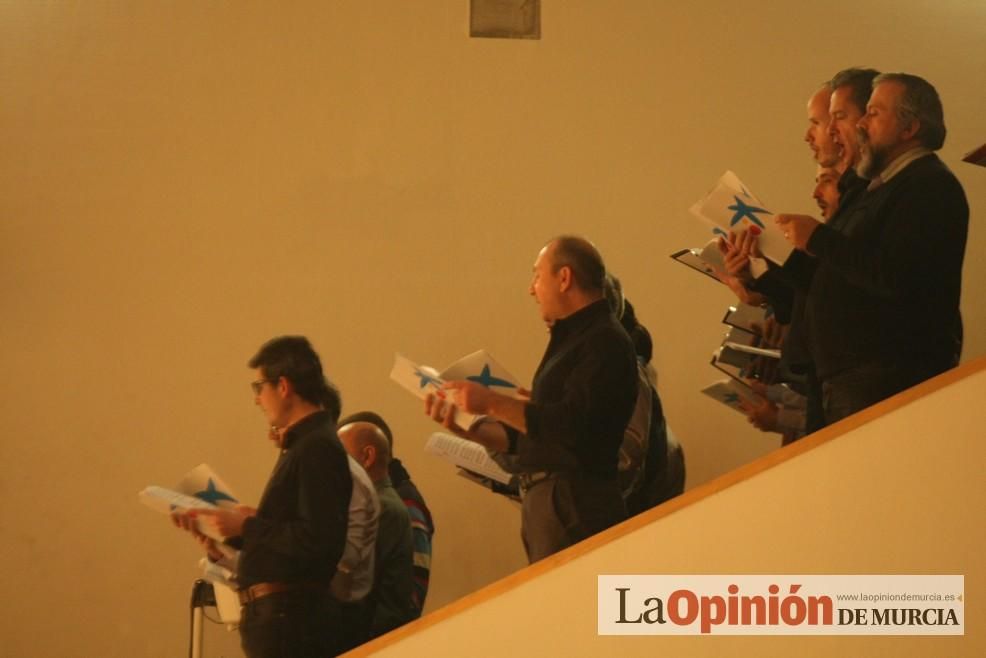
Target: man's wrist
<point>500,405</point>
<point>493,404</point>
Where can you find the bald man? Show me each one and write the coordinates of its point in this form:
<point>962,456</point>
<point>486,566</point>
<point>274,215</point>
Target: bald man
<point>827,153</point>
<point>389,603</point>
<point>422,524</point>
<point>567,436</point>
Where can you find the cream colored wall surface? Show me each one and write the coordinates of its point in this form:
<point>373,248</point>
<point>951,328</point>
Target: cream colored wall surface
<point>903,494</point>
<point>181,181</point>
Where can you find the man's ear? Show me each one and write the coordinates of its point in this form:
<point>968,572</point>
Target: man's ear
<point>912,130</point>
<point>564,278</point>
<point>284,387</point>
<point>369,457</point>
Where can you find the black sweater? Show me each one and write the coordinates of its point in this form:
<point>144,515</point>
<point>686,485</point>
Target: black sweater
<point>888,278</point>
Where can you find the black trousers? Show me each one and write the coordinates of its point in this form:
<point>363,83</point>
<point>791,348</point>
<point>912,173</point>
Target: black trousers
<point>356,617</point>
<point>863,386</point>
<point>294,624</point>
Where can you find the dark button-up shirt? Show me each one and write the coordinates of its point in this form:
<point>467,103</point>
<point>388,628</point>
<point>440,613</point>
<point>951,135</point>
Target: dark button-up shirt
<point>582,398</point>
<point>394,579</point>
<point>299,532</point>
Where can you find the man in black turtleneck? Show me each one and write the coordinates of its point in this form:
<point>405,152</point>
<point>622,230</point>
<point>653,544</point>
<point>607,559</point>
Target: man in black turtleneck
<point>567,435</point>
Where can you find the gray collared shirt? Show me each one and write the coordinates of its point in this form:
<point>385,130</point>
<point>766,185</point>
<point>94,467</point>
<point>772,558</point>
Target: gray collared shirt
<point>897,165</point>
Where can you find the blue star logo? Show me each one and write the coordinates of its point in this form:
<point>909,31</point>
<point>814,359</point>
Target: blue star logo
<point>731,398</point>
<point>427,379</point>
<point>487,380</point>
<point>745,211</point>
<point>213,495</point>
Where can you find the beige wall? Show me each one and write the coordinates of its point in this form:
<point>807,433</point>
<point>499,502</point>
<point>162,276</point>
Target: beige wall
<point>840,506</point>
<point>180,181</point>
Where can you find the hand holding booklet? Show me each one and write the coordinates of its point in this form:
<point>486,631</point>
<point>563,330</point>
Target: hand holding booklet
<point>732,207</point>
<point>477,367</point>
<point>201,488</point>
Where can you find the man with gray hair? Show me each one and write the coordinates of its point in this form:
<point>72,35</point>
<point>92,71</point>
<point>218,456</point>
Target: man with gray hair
<point>851,89</point>
<point>567,436</point>
<point>883,306</point>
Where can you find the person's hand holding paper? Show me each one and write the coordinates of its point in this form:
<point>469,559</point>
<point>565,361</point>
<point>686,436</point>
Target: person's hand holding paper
<point>797,229</point>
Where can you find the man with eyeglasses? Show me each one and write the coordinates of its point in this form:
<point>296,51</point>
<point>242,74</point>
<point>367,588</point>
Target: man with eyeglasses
<point>292,543</point>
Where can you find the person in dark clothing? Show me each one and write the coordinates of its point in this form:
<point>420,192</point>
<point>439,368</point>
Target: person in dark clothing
<point>422,525</point>
<point>883,304</point>
<point>791,405</point>
<point>567,436</point>
<point>291,543</point>
<point>651,467</point>
<point>789,284</point>
<point>663,475</point>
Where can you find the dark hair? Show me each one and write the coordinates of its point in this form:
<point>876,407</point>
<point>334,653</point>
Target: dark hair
<point>372,418</point>
<point>642,343</point>
<point>579,255</point>
<point>860,81</point>
<point>625,314</point>
<point>613,292</point>
<point>643,346</point>
<point>920,102</point>
<point>293,358</point>
<point>331,400</point>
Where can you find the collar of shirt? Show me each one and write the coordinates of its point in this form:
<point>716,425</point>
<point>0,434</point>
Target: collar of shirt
<point>580,319</point>
<point>299,428</point>
<point>898,164</point>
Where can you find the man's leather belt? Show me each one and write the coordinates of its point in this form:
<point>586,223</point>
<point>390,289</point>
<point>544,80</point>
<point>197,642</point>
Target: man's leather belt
<point>260,590</point>
<point>528,480</point>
